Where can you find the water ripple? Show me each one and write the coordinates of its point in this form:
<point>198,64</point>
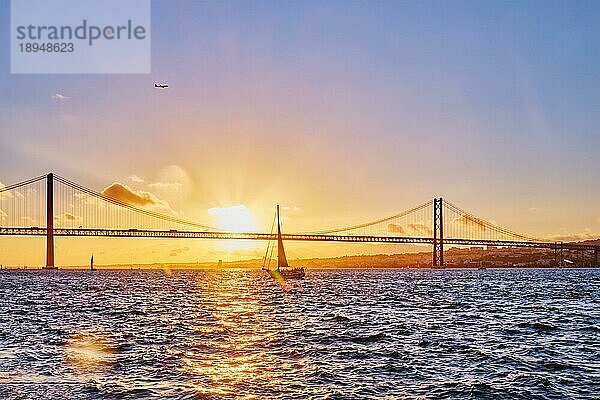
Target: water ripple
<point>339,334</point>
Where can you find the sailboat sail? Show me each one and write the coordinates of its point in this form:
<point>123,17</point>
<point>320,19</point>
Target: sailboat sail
<point>281,259</point>
<point>92,262</point>
<point>283,270</point>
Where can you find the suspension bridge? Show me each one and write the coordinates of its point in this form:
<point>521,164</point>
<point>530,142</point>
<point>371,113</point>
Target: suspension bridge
<point>51,206</point>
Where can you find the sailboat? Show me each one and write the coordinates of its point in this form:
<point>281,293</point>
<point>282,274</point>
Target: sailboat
<point>283,268</point>
<point>92,263</point>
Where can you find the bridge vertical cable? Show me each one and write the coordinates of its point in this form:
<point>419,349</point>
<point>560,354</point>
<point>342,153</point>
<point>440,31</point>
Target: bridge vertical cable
<point>459,223</point>
<point>23,204</point>
<point>77,207</point>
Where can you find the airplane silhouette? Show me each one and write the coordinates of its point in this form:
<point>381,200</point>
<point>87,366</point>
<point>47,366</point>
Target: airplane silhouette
<point>161,86</point>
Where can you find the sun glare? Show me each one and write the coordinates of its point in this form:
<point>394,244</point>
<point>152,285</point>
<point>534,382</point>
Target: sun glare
<point>233,219</point>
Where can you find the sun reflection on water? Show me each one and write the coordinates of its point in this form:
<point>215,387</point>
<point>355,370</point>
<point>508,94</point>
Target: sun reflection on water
<point>239,349</point>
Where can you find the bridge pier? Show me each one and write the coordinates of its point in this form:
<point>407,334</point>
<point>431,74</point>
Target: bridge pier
<point>50,223</point>
<point>438,233</point>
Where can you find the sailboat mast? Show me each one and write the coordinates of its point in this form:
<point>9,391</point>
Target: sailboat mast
<point>281,259</point>
<point>278,226</point>
<point>279,241</point>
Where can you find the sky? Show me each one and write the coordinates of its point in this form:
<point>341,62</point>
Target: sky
<point>344,112</point>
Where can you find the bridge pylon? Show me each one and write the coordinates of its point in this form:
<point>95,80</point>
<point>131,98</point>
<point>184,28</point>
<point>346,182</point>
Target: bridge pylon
<point>50,222</point>
<point>438,233</point>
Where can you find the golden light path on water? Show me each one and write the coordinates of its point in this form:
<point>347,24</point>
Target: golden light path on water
<point>244,356</point>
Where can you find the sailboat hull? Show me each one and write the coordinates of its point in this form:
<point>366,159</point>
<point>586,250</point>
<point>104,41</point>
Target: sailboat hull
<point>292,273</point>
<point>288,273</point>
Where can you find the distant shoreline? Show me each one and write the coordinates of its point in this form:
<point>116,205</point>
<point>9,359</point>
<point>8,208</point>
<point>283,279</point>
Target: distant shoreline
<point>472,258</point>
<point>150,267</point>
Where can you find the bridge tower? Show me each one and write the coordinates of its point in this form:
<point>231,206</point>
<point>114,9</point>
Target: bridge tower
<point>50,222</point>
<point>438,233</point>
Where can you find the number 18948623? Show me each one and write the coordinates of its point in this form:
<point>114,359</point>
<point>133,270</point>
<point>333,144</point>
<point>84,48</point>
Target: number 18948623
<point>46,47</point>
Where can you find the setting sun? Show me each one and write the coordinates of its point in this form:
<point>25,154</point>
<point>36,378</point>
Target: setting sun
<point>233,219</point>
<point>237,218</point>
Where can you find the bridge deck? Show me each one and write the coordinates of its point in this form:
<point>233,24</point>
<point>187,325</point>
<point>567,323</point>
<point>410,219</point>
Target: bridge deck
<point>135,233</point>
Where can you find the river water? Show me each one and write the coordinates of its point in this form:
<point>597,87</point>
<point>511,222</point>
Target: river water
<point>338,334</point>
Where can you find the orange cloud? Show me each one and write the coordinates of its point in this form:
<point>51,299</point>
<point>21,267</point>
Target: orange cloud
<point>138,198</point>
<point>124,194</point>
<point>66,217</point>
<point>420,229</point>
<point>393,228</point>
<point>469,221</point>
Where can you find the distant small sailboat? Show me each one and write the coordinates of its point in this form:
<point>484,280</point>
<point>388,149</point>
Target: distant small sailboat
<point>283,268</point>
<point>92,263</point>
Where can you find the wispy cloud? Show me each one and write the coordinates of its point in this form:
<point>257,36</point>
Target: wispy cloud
<point>172,182</point>
<point>136,179</point>
<point>60,97</point>
<point>395,228</point>
<point>174,186</point>
<point>420,229</point>
<point>576,237</point>
<point>7,194</point>
<point>468,220</point>
<point>66,217</point>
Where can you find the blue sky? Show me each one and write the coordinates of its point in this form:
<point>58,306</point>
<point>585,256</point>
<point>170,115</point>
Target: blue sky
<point>352,110</point>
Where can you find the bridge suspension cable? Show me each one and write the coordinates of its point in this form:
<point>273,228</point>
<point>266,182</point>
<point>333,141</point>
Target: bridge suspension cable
<point>474,226</point>
<point>145,212</point>
<point>21,184</point>
<point>21,204</point>
<point>376,222</point>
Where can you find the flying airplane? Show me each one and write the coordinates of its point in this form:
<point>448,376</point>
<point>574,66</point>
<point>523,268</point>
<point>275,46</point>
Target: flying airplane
<point>161,86</point>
